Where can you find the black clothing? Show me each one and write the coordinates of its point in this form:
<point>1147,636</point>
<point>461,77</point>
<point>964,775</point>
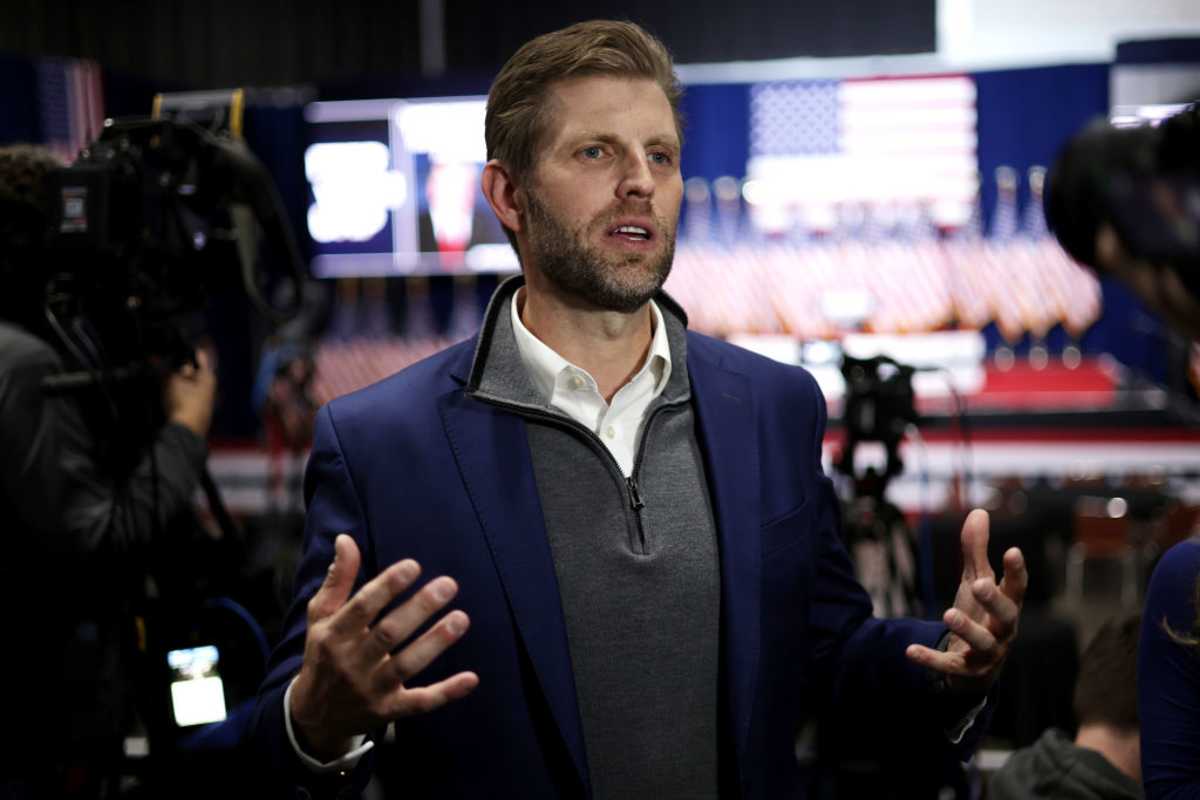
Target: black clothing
<point>76,540</point>
<point>1053,767</point>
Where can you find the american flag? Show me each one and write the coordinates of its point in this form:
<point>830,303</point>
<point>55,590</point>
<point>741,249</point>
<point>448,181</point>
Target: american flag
<point>867,140</point>
<point>698,210</point>
<point>1084,299</point>
<point>805,277</point>
<point>348,365</point>
<point>1009,275</point>
<point>1023,285</point>
<point>794,118</point>
<point>762,317</point>
<point>885,158</point>
<point>964,270</point>
<point>71,104</point>
<point>966,275</point>
<point>932,273</point>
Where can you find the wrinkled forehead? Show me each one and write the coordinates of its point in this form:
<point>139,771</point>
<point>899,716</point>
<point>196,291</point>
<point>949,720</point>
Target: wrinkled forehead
<point>606,106</point>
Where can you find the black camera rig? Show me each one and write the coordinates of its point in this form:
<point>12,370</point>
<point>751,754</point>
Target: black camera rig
<point>147,218</point>
<point>1143,181</point>
<point>879,407</point>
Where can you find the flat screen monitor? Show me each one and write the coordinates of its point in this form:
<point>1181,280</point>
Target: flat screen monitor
<point>394,189</point>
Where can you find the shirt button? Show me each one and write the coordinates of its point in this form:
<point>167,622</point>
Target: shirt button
<point>610,432</point>
<point>576,383</point>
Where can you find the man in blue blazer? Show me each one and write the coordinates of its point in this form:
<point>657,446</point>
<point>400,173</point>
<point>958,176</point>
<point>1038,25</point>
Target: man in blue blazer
<point>630,518</point>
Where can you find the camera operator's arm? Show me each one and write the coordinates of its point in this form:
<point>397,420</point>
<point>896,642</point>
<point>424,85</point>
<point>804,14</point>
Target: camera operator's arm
<point>50,475</point>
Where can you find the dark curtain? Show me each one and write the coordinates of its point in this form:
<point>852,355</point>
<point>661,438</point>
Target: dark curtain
<point>211,43</point>
<point>480,35</point>
<point>19,121</point>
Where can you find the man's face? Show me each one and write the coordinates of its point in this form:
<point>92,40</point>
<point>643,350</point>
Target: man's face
<point>603,201</point>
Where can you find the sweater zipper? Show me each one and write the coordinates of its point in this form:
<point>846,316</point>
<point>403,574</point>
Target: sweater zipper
<point>635,495</point>
<point>632,489</point>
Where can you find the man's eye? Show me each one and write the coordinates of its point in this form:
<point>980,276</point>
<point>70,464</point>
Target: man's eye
<point>591,152</point>
<point>661,158</point>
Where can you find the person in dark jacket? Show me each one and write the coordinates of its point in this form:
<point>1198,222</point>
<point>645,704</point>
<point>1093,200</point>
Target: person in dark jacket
<point>76,531</point>
<point>1103,762</point>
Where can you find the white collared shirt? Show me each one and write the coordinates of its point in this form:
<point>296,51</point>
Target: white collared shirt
<point>574,392</point>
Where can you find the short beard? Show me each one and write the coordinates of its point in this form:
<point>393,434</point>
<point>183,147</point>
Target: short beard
<point>578,270</point>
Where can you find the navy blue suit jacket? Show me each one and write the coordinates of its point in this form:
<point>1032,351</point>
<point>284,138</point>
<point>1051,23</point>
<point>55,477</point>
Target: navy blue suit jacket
<point>415,467</point>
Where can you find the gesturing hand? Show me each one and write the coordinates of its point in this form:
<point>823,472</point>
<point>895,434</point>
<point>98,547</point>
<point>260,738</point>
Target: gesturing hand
<point>350,681</point>
<point>983,621</point>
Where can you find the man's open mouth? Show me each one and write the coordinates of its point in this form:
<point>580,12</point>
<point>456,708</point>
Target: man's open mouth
<point>634,233</point>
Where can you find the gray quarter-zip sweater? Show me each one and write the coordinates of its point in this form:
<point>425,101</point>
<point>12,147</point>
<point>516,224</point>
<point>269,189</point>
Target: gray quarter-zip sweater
<point>638,573</point>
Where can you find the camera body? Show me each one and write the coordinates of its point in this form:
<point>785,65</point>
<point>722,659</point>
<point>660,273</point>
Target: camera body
<point>153,219</point>
<point>1143,184</point>
<point>141,226</point>
<point>879,407</point>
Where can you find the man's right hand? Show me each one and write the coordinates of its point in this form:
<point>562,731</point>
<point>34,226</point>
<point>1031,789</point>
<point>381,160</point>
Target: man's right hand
<point>351,682</point>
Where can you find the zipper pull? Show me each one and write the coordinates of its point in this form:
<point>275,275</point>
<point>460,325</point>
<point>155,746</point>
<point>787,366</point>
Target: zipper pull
<point>635,497</point>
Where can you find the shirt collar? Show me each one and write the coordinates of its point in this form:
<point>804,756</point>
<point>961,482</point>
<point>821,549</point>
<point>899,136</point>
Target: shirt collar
<point>545,365</point>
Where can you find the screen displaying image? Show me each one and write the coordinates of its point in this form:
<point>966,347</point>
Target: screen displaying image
<point>394,189</point>
<point>197,694</point>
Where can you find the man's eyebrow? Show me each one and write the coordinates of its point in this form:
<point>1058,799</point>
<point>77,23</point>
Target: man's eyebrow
<point>664,140</point>
<point>593,136</point>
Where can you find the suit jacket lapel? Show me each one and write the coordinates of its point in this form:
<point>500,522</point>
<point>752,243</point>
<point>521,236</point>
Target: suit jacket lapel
<point>725,418</point>
<point>491,447</point>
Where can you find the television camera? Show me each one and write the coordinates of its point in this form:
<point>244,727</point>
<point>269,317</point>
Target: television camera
<point>149,218</point>
<point>1126,201</point>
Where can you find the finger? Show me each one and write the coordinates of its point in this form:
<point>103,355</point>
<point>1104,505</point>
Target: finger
<point>424,699</point>
<point>401,622</point>
<point>376,593</point>
<point>206,357</point>
<point>339,580</point>
<point>999,606</point>
<point>946,663</point>
<point>1016,576</point>
<point>410,661</point>
<point>975,544</point>
<point>979,638</point>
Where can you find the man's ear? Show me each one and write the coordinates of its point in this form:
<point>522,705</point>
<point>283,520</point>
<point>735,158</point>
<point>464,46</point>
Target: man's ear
<point>503,195</point>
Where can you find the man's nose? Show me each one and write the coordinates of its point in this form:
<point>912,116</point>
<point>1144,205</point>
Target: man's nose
<point>636,179</point>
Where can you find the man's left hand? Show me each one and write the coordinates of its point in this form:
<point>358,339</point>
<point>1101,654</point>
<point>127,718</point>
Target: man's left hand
<point>983,621</point>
